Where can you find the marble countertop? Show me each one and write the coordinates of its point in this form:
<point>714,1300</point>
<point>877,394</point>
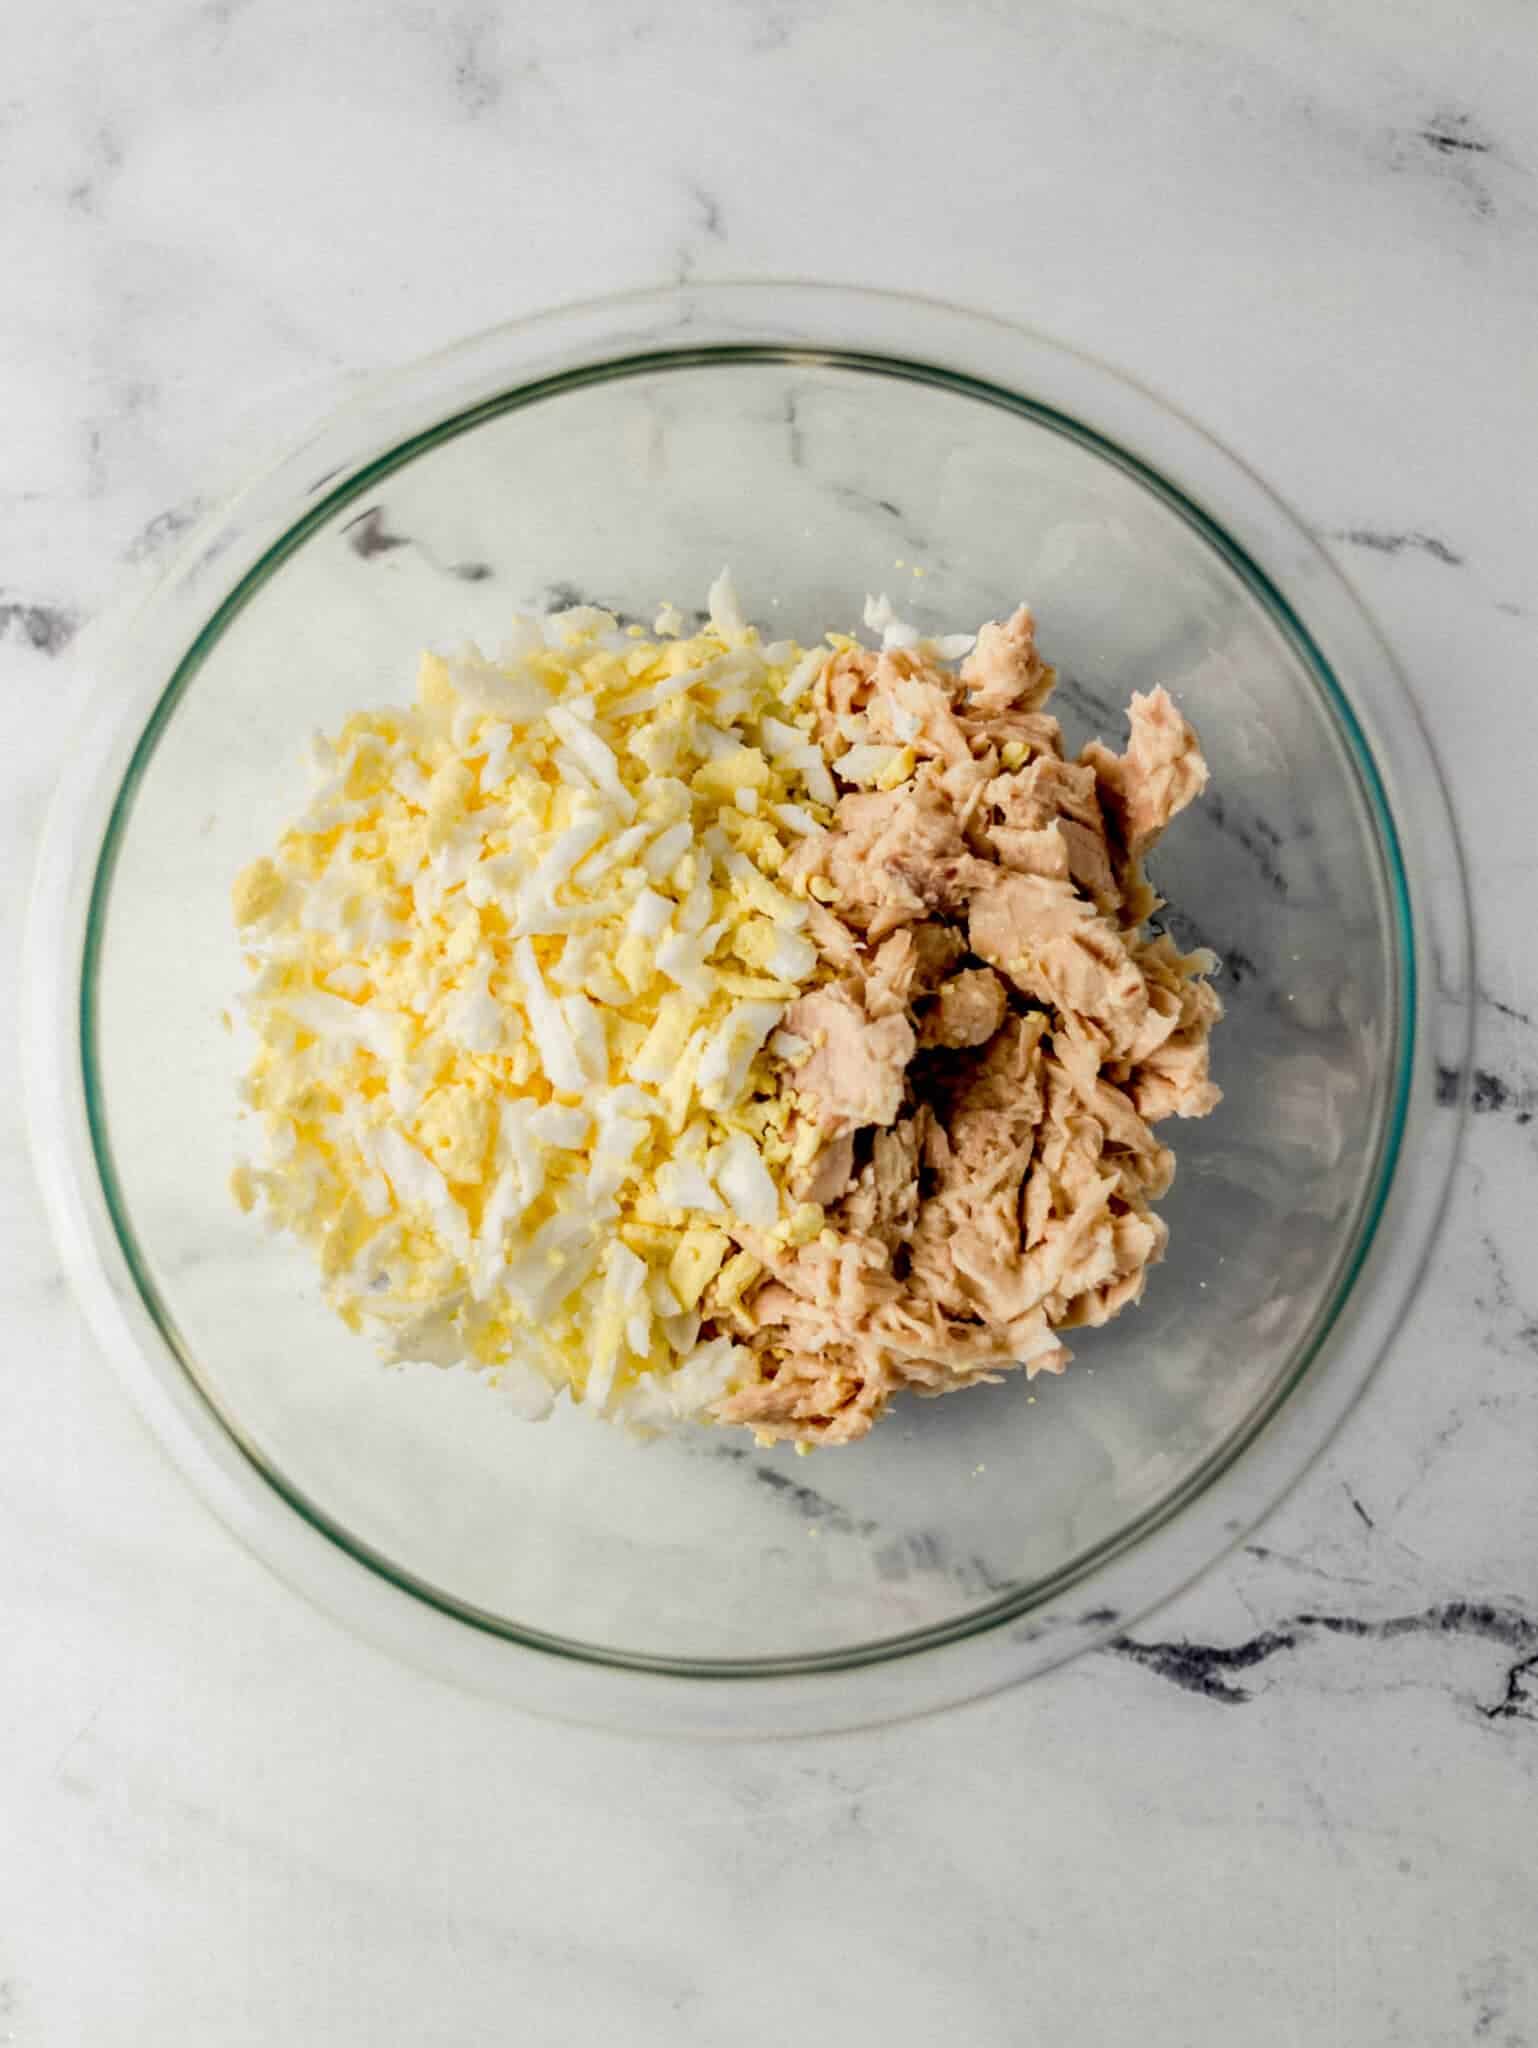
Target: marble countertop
<point>1301,1806</point>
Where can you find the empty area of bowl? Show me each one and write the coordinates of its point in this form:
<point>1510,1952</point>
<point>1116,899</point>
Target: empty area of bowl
<point>818,480</point>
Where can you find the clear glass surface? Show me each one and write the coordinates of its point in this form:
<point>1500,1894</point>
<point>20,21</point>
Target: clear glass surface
<point>825,444</point>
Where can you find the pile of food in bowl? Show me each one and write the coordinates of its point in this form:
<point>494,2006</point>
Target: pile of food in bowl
<point>711,1028</point>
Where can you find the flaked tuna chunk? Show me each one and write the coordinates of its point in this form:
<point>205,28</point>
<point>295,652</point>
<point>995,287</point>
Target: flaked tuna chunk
<point>1174,1079</point>
<point>1174,1082</point>
<point>1170,1076</point>
<point>896,856</point>
<point>1004,671</point>
<point>818,1396</point>
<point>1050,795</point>
<point>1086,1226</point>
<point>1041,852</point>
<point>840,695</point>
<point>1051,945</point>
<point>881,1201</point>
<point>1100,1252</point>
<point>888,984</point>
<point>828,1174</point>
<point>836,1336</point>
<point>1123,1143</point>
<point>999,1087</point>
<point>853,1075</point>
<point>1047,790</point>
<point>978,1145</point>
<point>1132,1240</point>
<point>1038,732</point>
<point>912,707</point>
<point>835,942</point>
<point>1070,1142</point>
<point>1160,773</point>
<point>1075,1252</point>
<point>1165,1007</point>
<point>966,1252</point>
<point>908,965</point>
<point>965,1011</point>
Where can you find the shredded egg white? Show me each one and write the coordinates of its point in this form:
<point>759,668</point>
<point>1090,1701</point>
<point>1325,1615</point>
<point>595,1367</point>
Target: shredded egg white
<point>515,974</point>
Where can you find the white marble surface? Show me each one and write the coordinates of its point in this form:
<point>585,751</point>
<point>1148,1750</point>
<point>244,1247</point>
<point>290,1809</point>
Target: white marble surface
<point>222,1820</point>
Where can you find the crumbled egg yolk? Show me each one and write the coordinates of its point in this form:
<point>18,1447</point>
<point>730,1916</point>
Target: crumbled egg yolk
<point>514,973</point>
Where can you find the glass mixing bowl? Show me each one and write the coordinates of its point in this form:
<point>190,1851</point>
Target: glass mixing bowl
<point>826,443</point>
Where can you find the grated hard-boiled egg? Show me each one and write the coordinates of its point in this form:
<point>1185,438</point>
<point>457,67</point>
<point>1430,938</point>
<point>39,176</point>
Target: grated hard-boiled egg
<point>514,974</point>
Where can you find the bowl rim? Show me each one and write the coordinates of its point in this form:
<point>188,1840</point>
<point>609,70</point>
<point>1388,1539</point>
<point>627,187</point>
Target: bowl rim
<point>522,362</point>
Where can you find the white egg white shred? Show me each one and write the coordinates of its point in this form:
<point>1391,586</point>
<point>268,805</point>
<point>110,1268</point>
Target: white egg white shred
<point>518,975</point>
